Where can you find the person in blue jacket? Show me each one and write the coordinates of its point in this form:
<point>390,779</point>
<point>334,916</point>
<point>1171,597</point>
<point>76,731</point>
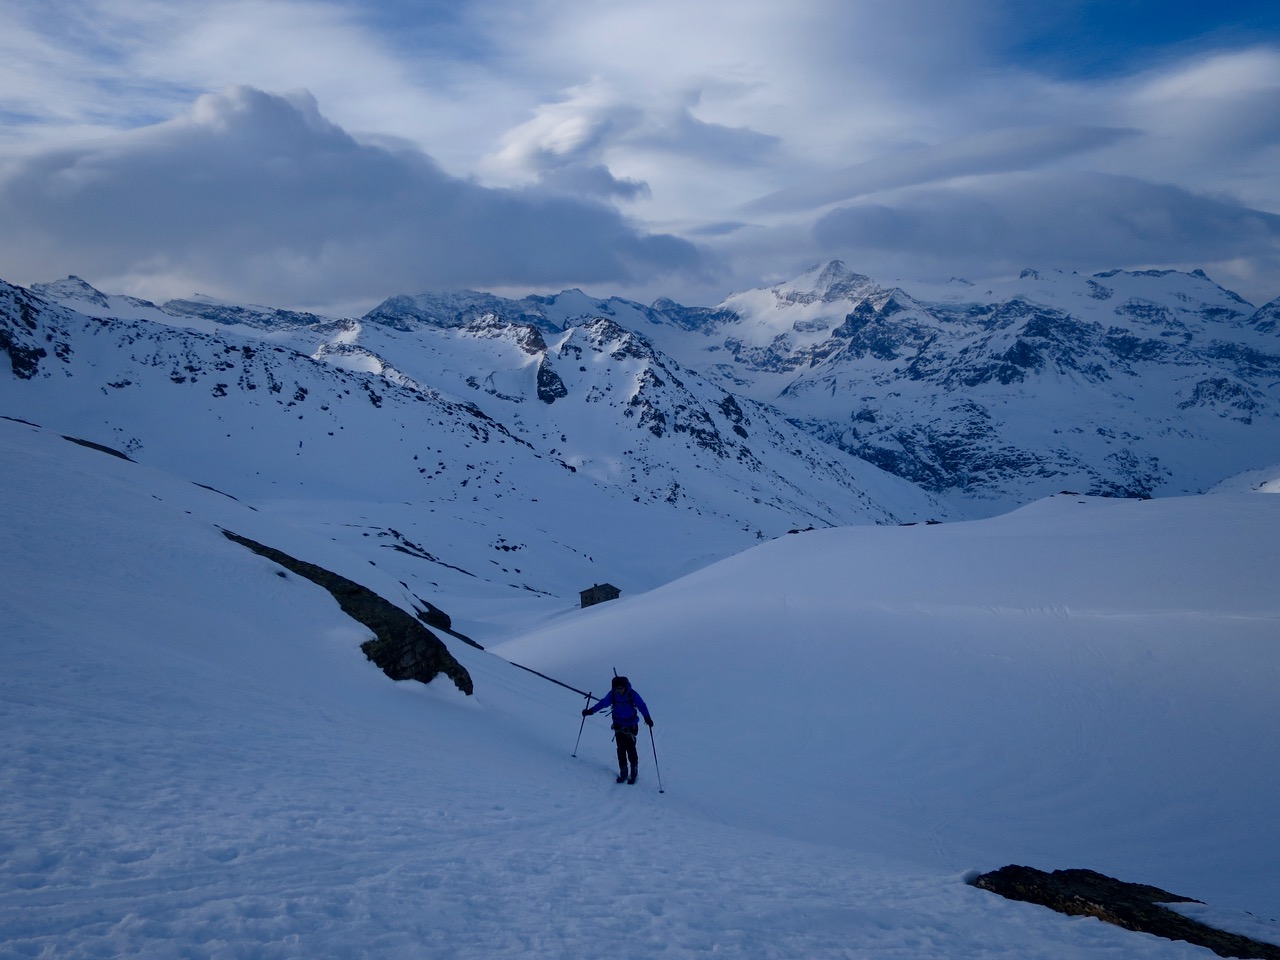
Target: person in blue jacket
<point>628,707</point>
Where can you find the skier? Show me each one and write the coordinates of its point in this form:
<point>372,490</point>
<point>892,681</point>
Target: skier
<point>628,707</point>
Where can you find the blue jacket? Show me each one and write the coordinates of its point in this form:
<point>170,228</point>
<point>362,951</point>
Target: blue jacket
<point>627,707</point>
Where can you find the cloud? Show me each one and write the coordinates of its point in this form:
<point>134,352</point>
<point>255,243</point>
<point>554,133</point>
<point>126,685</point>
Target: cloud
<point>1212,124</point>
<point>564,142</point>
<point>1084,221</point>
<point>984,153</point>
<point>74,68</point>
<point>683,134</point>
<point>690,118</point>
<point>591,180</point>
<point>595,124</point>
<point>258,195</point>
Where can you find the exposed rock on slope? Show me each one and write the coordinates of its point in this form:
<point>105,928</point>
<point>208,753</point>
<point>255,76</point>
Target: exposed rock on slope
<point>1130,905</point>
<point>402,647</point>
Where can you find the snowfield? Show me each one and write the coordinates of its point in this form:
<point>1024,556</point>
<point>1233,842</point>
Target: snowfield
<point>198,761</point>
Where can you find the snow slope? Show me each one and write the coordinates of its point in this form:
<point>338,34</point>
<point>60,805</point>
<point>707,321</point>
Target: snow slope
<point>199,762</point>
<point>479,488</point>
<point>1081,682</point>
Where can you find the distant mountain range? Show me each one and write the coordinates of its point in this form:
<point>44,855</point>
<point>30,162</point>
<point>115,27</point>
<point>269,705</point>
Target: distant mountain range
<point>1122,383</point>
<point>1129,384</point>
<point>494,455</point>
<point>827,400</point>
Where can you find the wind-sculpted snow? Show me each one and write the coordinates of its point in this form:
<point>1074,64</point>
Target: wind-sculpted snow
<point>1052,687</point>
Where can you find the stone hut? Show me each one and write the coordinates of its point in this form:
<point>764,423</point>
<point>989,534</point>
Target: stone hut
<point>599,594</point>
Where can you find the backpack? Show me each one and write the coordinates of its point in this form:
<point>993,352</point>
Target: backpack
<point>628,696</point>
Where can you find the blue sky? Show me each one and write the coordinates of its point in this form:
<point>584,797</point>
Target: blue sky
<point>330,154</point>
<point>1092,38</point>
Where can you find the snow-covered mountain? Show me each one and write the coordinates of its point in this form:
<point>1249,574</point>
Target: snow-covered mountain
<point>486,453</point>
<point>199,310</point>
<point>198,761</point>
<point>1120,384</point>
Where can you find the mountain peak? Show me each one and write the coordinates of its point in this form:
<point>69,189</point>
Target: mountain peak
<point>826,282</point>
<point>72,288</point>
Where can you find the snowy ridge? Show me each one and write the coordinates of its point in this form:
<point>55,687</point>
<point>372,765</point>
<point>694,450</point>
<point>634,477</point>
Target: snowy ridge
<point>200,312</point>
<point>218,311</point>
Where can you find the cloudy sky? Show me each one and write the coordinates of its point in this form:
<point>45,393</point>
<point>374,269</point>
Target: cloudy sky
<point>329,154</point>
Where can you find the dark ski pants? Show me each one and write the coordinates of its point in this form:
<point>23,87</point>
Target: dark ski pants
<point>625,738</point>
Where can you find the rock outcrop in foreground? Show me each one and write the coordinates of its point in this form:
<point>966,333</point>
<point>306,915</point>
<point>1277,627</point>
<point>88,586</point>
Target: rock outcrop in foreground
<point>1133,906</point>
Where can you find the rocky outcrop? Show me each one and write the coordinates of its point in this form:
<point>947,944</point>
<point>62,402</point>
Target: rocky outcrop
<point>550,387</point>
<point>229,314</point>
<point>18,325</point>
<point>402,647</point>
<point>1133,906</point>
<point>101,448</point>
<point>456,309</point>
<point>1267,319</point>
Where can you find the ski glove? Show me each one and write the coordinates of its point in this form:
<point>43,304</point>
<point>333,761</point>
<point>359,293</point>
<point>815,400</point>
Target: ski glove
<point>586,712</point>
<point>648,722</point>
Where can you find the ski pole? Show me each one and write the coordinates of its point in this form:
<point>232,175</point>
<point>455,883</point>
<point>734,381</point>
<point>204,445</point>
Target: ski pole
<point>654,744</point>
<point>580,726</point>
